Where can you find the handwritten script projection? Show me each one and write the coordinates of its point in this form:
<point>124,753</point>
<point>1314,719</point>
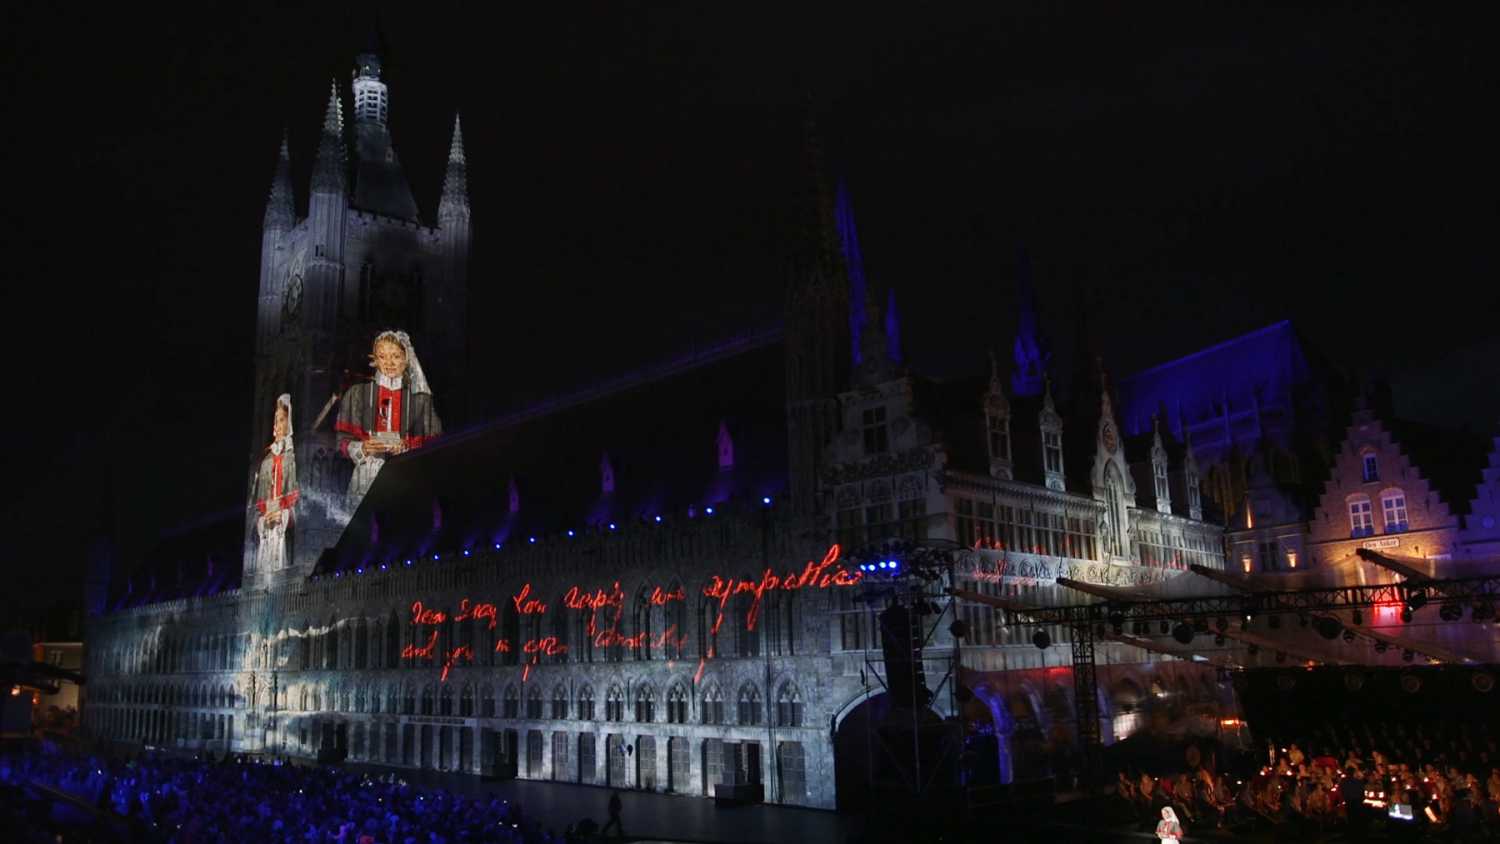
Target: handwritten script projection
<point>606,608</point>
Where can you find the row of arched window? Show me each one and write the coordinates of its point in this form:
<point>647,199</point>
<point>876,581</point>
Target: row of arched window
<point>650,629</point>
<point>441,699</point>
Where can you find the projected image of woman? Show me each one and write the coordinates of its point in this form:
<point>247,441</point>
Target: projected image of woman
<point>276,491</point>
<point>387,416</point>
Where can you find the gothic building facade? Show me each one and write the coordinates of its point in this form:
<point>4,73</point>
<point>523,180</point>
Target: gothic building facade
<point>606,590</point>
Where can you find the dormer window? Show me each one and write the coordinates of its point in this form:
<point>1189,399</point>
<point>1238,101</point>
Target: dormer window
<point>876,439</point>
<point>1195,504</point>
<point>1052,451</point>
<point>1371,467</point>
<point>999,426</point>
<point>1159,470</point>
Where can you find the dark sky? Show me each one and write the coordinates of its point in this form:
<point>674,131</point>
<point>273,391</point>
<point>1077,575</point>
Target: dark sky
<point>1196,170</point>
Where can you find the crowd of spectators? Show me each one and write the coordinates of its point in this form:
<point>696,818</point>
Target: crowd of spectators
<point>1441,781</point>
<point>192,800</point>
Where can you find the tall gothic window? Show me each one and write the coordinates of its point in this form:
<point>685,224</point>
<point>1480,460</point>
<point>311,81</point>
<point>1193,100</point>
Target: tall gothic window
<point>876,439</point>
<point>999,430</point>
<point>1052,451</point>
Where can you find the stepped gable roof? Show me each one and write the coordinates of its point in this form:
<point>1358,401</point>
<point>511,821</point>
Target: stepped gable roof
<point>659,429</point>
<point>1451,461</point>
<point>196,560</point>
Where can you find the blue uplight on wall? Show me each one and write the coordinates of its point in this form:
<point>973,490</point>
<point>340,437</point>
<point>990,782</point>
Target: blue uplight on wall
<point>708,510</point>
<point>466,552</point>
<point>766,500</point>
<point>570,533</point>
<point>408,562</point>
<point>611,525</point>
<point>658,519</point>
<point>497,546</point>
<point>434,556</point>
<point>532,540</point>
<point>382,566</point>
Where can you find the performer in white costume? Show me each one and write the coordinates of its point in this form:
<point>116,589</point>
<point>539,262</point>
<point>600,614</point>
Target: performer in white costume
<point>276,491</point>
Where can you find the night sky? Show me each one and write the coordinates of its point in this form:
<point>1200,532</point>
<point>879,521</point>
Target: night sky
<point>1193,171</point>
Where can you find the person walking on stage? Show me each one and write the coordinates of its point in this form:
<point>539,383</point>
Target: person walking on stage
<point>614,817</point>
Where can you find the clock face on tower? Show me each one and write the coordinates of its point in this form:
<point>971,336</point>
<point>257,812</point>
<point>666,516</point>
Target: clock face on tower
<point>291,295</point>
<point>1110,441</point>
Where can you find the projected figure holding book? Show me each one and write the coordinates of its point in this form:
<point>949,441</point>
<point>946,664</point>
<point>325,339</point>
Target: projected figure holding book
<point>389,415</point>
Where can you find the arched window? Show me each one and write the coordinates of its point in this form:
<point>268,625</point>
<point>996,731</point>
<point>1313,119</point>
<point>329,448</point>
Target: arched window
<point>645,704</point>
<point>331,644</point>
<point>512,702</point>
<point>466,701</point>
<point>677,700</point>
<point>445,700</point>
<point>1393,508</point>
<point>559,702</point>
<point>427,699</point>
<point>614,704</point>
<point>586,703</point>
<point>534,702</point>
<point>674,619</point>
<point>1361,519</point>
<point>487,701</point>
<point>749,708</point>
<point>409,706</point>
<point>361,643</point>
<point>392,696</point>
<point>560,628</point>
<point>642,622</point>
<point>712,705</point>
<point>345,694</point>
<point>393,641</point>
<point>788,706</point>
<point>583,651</point>
<point>1369,466</point>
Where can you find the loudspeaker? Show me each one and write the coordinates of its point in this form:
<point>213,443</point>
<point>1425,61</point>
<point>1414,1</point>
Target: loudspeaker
<point>901,645</point>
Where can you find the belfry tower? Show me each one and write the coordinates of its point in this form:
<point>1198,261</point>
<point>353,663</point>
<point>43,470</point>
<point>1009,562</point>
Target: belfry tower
<point>361,261</point>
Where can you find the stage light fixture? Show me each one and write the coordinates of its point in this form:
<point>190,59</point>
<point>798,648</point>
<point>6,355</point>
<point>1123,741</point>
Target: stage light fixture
<point>1405,615</point>
<point>1416,600</point>
<point>1244,624</point>
<point>1183,633</point>
<point>1327,627</point>
<point>765,500</point>
<point>1041,639</point>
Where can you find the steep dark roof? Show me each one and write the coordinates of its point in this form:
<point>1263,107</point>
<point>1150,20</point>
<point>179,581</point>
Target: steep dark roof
<point>660,436</point>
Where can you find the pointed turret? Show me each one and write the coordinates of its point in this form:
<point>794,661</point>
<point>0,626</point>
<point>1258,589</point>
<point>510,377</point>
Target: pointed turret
<point>330,172</point>
<point>1031,354</point>
<point>997,423</point>
<point>454,204</point>
<point>854,264</point>
<point>892,327</point>
<point>875,363</point>
<point>280,212</point>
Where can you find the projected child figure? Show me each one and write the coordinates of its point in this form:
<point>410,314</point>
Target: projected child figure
<point>276,491</point>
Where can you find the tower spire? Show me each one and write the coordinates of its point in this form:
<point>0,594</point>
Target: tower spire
<point>1031,356</point>
<point>279,205</point>
<point>455,199</point>
<point>854,263</point>
<point>329,171</point>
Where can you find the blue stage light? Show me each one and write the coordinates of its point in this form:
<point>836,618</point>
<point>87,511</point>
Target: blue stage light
<point>611,525</point>
<point>570,534</point>
<point>497,546</point>
<point>466,552</point>
<point>766,500</point>
<point>895,565</point>
<point>532,540</point>
<point>708,510</point>
<point>658,519</point>
<point>434,556</point>
<point>408,562</point>
<point>382,566</point>
<point>359,570</point>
